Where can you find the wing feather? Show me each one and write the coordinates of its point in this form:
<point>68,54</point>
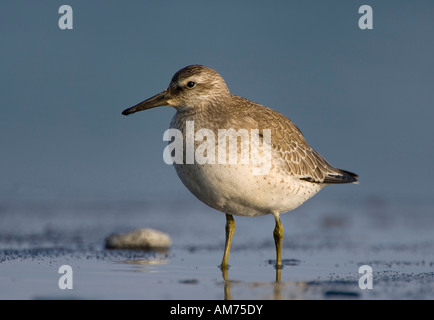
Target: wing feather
<point>301,160</point>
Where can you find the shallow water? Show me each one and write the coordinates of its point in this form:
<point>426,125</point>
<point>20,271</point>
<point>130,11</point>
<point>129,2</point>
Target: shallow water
<point>325,243</point>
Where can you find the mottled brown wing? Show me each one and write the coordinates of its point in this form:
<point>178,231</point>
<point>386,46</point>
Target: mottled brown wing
<point>287,140</point>
<point>303,161</point>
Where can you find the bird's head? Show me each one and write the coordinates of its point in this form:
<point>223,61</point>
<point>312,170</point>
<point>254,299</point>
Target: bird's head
<point>192,87</point>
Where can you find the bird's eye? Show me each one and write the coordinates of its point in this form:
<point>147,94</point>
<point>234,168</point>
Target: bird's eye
<point>191,84</point>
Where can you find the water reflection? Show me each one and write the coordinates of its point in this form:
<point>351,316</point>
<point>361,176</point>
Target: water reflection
<point>147,264</point>
<point>283,290</point>
<point>277,284</point>
<point>147,261</point>
<point>292,290</point>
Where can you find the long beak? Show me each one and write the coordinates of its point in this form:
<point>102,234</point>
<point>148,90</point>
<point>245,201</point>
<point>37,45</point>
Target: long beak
<point>155,101</point>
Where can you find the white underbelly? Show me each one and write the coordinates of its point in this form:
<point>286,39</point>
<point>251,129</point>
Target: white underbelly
<point>234,189</point>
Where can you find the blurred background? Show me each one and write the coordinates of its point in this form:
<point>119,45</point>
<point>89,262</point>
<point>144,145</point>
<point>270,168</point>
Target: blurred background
<point>362,98</point>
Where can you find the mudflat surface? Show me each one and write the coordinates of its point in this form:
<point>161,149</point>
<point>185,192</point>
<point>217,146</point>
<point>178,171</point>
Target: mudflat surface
<point>325,243</point>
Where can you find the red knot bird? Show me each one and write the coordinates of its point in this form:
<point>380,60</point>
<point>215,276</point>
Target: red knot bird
<point>207,116</point>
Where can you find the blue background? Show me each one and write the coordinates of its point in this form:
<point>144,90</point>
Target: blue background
<point>362,98</point>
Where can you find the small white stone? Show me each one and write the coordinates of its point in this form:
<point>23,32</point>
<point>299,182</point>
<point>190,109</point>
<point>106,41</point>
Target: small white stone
<point>139,239</point>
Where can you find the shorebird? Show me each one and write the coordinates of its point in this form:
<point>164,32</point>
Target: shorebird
<point>296,172</point>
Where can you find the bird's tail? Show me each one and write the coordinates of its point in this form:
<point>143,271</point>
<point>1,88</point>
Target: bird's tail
<point>341,176</point>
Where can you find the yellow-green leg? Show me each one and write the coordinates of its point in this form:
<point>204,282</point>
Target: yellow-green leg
<point>230,229</point>
<point>278,236</point>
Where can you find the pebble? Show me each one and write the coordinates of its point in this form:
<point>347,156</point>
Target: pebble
<point>139,239</point>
